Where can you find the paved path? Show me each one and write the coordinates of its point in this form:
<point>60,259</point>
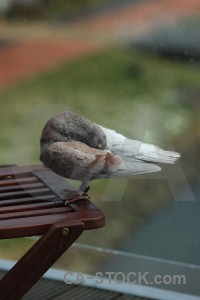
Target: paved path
<point>29,58</point>
<point>37,48</point>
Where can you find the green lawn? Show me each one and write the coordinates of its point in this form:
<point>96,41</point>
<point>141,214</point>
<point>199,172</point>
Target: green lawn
<point>143,96</point>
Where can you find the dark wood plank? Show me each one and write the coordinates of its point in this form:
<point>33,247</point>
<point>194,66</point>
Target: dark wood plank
<point>27,200</point>
<point>82,205</point>
<point>29,207</point>
<point>55,182</point>
<point>38,225</point>
<point>34,213</point>
<point>17,181</point>
<point>19,171</point>
<point>22,187</point>
<point>26,209</point>
<point>14,195</point>
<point>6,166</point>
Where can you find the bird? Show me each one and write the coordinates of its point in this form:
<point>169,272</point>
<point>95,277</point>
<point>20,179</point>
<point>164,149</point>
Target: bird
<point>75,147</point>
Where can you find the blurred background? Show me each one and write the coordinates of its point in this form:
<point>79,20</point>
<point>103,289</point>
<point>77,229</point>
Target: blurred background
<point>133,66</point>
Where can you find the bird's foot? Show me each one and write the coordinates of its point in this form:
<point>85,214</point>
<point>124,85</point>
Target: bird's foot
<point>73,196</point>
<point>69,201</point>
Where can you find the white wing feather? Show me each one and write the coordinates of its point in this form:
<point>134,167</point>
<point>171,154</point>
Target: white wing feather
<point>134,154</point>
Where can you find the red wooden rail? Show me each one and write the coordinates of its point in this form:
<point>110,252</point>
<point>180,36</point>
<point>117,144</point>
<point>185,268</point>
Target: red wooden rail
<point>31,204</point>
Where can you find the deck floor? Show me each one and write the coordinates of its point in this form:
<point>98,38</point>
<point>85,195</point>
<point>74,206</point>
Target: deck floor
<point>48,289</point>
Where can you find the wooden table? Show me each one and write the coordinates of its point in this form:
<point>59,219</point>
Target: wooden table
<point>31,203</point>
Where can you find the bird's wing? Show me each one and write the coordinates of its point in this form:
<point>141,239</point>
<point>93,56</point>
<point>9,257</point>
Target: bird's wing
<point>77,160</point>
<point>136,151</point>
<point>130,164</point>
<point>120,145</point>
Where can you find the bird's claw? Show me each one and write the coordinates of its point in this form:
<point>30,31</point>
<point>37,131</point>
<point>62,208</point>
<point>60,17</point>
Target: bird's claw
<point>72,196</point>
<point>76,198</point>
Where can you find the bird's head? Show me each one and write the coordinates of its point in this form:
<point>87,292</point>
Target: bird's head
<point>66,126</point>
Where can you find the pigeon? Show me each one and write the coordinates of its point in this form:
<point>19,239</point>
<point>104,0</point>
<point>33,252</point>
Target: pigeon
<point>76,148</point>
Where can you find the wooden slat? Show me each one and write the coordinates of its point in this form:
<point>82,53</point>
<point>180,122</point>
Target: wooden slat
<point>22,187</point>
<point>38,225</point>
<point>10,182</point>
<point>24,212</point>
<point>35,213</point>
<point>18,171</point>
<point>31,212</point>
<point>14,195</point>
<point>55,182</point>
<point>26,200</point>
<point>29,207</point>
<point>47,289</point>
<point>82,205</point>
<point>6,166</point>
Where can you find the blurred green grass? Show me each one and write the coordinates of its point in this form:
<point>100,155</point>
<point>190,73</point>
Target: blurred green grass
<point>140,95</point>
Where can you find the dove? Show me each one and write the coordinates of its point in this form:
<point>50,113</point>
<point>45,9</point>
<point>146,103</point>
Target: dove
<point>76,148</point>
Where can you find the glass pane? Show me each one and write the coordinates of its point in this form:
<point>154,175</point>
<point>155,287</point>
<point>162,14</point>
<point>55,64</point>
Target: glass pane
<point>132,66</point>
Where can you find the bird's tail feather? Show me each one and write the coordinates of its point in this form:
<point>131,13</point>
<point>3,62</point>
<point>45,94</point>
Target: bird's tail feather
<point>153,153</point>
<point>135,150</point>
